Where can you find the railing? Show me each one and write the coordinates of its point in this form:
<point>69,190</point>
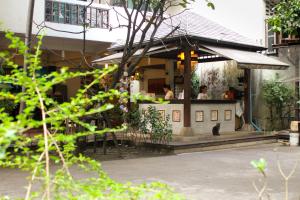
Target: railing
<point>66,13</point>
<point>116,3</point>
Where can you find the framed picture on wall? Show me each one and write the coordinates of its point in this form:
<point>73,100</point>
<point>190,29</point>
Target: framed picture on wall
<point>162,114</point>
<point>176,116</point>
<point>199,116</point>
<point>228,115</point>
<point>213,115</point>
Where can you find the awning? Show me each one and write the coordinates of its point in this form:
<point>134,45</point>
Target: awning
<point>288,80</point>
<point>116,58</point>
<point>249,59</point>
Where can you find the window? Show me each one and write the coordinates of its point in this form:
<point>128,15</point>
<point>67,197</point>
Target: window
<point>129,4</point>
<point>116,3</point>
<point>74,14</point>
<point>48,15</point>
<point>271,39</point>
<point>93,17</point>
<point>55,10</point>
<point>66,13</point>
<point>270,35</point>
<point>61,17</point>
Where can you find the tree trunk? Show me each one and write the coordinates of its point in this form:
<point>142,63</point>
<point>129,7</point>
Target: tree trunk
<point>28,42</point>
<point>106,118</point>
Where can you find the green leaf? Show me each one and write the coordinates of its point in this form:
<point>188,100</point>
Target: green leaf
<point>260,165</point>
<point>211,5</point>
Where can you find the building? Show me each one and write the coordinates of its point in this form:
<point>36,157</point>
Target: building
<point>61,21</point>
<point>223,59</point>
<point>249,18</point>
<point>66,44</point>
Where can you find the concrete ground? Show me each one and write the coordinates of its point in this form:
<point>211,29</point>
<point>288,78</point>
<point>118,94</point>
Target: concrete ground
<point>214,175</point>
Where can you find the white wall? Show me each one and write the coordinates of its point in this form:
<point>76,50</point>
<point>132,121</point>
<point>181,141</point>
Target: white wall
<point>243,16</point>
<point>198,128</point>
<point>246,17</point>
<point>13,15</point>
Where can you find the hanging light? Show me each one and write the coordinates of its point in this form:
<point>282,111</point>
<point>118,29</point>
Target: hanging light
<point>180,61</point>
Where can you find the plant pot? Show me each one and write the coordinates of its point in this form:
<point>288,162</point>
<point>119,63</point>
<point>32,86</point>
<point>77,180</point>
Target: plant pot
<point>294,139</point>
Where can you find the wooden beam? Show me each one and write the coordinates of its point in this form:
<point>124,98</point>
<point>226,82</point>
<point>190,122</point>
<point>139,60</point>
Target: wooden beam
<point>160,66</point>
<point>187,87</point>
<point>212,59</point>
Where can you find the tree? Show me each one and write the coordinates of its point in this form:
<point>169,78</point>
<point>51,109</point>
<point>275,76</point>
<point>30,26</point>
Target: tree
<point>142,22</point>
<point>287,17</point>
<point>142,27</point>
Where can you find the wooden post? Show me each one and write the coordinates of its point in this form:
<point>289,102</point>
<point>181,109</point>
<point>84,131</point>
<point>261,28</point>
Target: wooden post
<point>247,95</point>
<point>297,95</point>
<point>187,87</point>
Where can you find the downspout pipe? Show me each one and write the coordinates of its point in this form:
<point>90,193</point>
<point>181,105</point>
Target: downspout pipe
<point>256,127</point>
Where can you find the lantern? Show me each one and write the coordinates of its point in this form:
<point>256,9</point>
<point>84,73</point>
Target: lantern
<point>180,61</point>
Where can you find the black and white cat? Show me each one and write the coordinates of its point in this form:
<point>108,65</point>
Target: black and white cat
<point>216,129</point>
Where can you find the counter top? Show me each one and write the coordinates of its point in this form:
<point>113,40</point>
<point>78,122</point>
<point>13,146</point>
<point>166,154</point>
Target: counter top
<point>195,101</point>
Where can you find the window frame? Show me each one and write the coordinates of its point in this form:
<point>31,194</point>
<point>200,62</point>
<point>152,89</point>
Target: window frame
<point>101,21</point>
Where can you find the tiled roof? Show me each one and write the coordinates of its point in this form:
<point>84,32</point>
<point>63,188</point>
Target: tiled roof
<point>192,24</point>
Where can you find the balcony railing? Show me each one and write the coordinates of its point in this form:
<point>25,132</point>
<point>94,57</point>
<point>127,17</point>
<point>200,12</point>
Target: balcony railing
<point>66,13</point>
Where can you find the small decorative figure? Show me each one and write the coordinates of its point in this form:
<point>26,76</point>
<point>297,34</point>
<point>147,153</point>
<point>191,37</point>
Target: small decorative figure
<point>216,129</point>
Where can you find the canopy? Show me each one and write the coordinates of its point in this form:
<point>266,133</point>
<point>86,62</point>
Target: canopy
<point>248,59</point>
<point>245,59</point>
<point>116,58</point>
<point>295,79</point>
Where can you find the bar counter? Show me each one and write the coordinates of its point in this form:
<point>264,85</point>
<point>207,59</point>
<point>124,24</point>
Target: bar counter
<point>205,114</point>
<point>196,101</point>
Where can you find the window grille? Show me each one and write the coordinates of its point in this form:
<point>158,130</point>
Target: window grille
<point>66,13</point>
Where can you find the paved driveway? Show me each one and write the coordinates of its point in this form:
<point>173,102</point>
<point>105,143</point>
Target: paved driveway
<point>215,175</point>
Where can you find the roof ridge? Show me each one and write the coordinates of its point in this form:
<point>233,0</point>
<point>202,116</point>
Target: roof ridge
<point>212,22</point>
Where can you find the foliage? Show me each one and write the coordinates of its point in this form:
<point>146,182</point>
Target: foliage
<point>152,122</point>
<point>287,17</point>
<point>54,147</point>
<point>134,117</point>
<point>7,104</point>
<point>278,96</point>
<point>195,84</point>
<point>260,165</point>
<point>262,190</point>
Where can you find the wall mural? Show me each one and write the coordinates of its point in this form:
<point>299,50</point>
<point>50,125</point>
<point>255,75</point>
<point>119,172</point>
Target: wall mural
<point>219,76</point>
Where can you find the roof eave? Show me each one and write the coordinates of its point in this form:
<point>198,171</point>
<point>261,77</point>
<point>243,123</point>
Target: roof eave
<point>200,39</point>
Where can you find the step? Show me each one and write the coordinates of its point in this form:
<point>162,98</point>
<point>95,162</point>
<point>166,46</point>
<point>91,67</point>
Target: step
<point>224,146</point>
<point>214,143</point>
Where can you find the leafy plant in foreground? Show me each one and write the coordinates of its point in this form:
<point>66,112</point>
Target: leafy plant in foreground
<point>55,148</point>
<point>261,166</point>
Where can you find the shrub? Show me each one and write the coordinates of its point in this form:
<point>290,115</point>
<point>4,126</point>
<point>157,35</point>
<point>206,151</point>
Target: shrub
<point>153,123</point>
<point>278,97</point>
